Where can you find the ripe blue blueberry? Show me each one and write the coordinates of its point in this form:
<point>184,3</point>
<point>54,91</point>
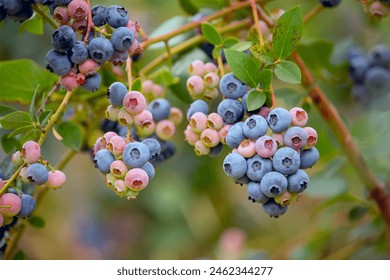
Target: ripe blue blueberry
<point>257,167</point>
<point>92,83</point>
<point>216,151</point>
<point>273,184</point>
<point>160,109</point>
<point>279,119</point>
<point>357,69</point>
<point>149,169</point>
<point>116,92</point>
<point>58,63</point>
<point>197,106</point>
<point>12,6</point>
<point>135,154</point>
<point>62,2</point>
<point>122,38</point>
<point>377,80</point>
<point>298,182</point>
<point>28,205</point>
<point>103,160</point>
<point>255,194</point>
<point>99,15</point>
<point>79,52</point>
<point>37,174</point>
<point>231,87</point>
<point>309,158</point>
<point>255,126</point>
<point>286,161</point>
<point>100,49</point>
<point>244,180</point>
<point>63,38</point>
<point>235,135</point>
<point>154,148</point>
<point>234,165</point>
<point>274,209</point>
<point>379,56</point>
<point>231,111</point>
<point>25,13</point>
<point>116,16</point>
<point>330,3</point>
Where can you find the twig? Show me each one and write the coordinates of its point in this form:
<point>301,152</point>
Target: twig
<point>49,20</point>
<point>53,90</point>
<point>89,24</point>
<point>256,20</point>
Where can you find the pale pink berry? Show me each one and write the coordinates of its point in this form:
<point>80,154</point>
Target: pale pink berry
<point>311,137</point>
<point>235,151</point>
<point>198,122</point>
<point>277,13</point>
<point>279,138</point>
<point>134,102</point>
<point>147,86</point>
<point>23,177</point>
<point>211,80</point>
<point>200,149</point>
<point>2,184</point>
<point>61,15</point>
<point>196,68</point>
<point>133,26</point>
<point>80,78</point>
<point>266,146</point>
<point>215,121</point>
<point>56,179</point>
<point>17,158</point>
<point>112,113</point>
<point>210,137</point>
<point>247,148</point>
<point>135,48</point>
<point>158,91</point>
<point>223,132</point>
<point>175,115</point>
<point>106,138</point>
<point>195,85</point>
<point>124,118</point>
<point>190,136</point>
<point>80,25</point>
<point>299,117</point>
<point>264,29</point>
<point>88,67</point>
<point>211,67</point>
<point>116,145</point>
<point>211,93</point>
<point>31,151</point>
<point>69,81</point>
<point>78,9</point>
<point>379,10</point>
<point>118,168</point>
<point>110,180</point>
<point>144,119</point>
<point>146,131</point>
<point>264,112</point>
<point>165,129</point>
<point>136,179</point>
<point>120,186</point>
<point>10,204</point>
<point>97,146</point>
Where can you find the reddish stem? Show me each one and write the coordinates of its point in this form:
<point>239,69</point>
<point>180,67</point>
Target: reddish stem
<point>89,25</point>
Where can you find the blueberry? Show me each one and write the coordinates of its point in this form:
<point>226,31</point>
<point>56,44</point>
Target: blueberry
<point>106,125</point>
<point>58,63</point>
<point>99,15</point>
<point>216,151</point>
<point>79,52</point>
<point>154,148</point>
<point>62,2</point>
<point>149,169</point>
<point>379,56</point>
<point>116,92</point>
<point>377,80</point>
<point>160,109</point>
<point>235,135</point>
<point>28,205</point>
<point>309,158</point>
<point>37,174</point>
<point>15,191</point>
<point>2,176</point>
<point>273,184</point>
<point>197,106</point>
<point>255,126</point>
<point>361,94</point>
<point>3,12</point>
<point>231,111</point>
<point>297,182</point>
<point>234,165</point>
<point>255,194</point>
<point>135,154</point>
<point>257,167</point>
<point>12,6</point>
<point>279,119</point>
<point>274,209</point>
<point>103,160</point>
<point>100,49</point>
<point>353,53</point>
<point>244,180</point>
<point>92,83</point>
<point>357,69</point>
<point>122,38</point>
<point>25,13</point>
<point>169,150</point>
<point>63,38</point>
<point>231,87</point>
<point>286,161</point>
<point>329,3</point>
<point>116,16</point>
<point>295,137</point>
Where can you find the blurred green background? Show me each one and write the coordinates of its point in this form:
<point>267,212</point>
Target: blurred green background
<point>191,210</point>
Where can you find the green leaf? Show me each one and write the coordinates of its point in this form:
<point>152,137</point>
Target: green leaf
<point>217,52</point>
<point>19,79</point>
<point>15,120</point>
<point>21,130</point>
<point>255,100</point>
<point>137,85</point>
<point>10,144</point>
<point>37,222</point>
<point>44,117</point>
<point>5,110</point>
<point>32,105</point>
<point>229,42</point>
<point>265,78</point>
<point>241,46</point>
<point>72,135</point>
<point>211,34</point>
<point>165,77</point>
<point>189,6</point>
<point>243,67</point>
<point>287,32</point>
<point>33,25</point>
<point>288,71</point>
<point>263,53</point>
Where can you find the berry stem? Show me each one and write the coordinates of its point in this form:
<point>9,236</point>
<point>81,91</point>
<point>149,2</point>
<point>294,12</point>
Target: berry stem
<point>49,20</point>
<point>312,13</point>
<point>256,20</point>
<point>129,72</point>
<point>220,66</point>
<point>273,97</point>
<point>168,48</point>
<point>97,29</point>
<point>12,179</point>
<point>54,89</point>
<point>334,121</point>
<point>89,24</point>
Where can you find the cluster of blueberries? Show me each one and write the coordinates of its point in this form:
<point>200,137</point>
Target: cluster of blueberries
<point>370,74</point>
<point>271,165</point>
<point>19,10</point>
<point>204,80</point>
<point>78,60</point>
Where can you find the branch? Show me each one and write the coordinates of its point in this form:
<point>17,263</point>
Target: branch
<point>49,20</point>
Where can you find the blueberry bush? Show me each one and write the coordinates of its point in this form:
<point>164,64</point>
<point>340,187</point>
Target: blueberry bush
<point>224,103</point>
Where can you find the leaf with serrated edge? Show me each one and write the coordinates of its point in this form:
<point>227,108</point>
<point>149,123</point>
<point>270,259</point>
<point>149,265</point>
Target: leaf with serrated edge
<point>288,71</point>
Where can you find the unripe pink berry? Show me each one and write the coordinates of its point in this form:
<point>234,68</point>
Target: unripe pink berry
<point>175,115</point>
<point>211,67</point>
<point>266,146</point>
<point>118,168</point>
<point>134,102</point>
<point>89,67</point>
<point>158,91</point>
<point>112,113</point>
<point>2,184</point>
<point>264,112</point>
<point>247,148</point>
<point>144,119</point>
<point>311,137</point>
<point>120,186</point>
<point>23,177</point>
<point>195,85</point>
<point>146,131</point>
<point>165,129</point>
<point>136,179</point>
<point>201,149</point>
<point>80,25</point>
<point>80,77</point>
<point>106,138</point>
<point>299,117</point>
<point>17,158</point>
<point>196,68</point>
<point>61,15</point>
<point>279,138</point>
<point>116,145</point>
<point>211,80</point>
<point>276,14</point>
<point>10,204</point>
<point>56,179</point>
<point>124,118</point>
<point>147,86</point>
<point>215,121</point>
<point>211,93</point>
<point>97,145</point>
<point>110,180</point>
<point>69,81</point>
<point>78,9</point>
<point>135,48</point>
<point>223,132</point>
<point>133,26</point>
<point>31,151</point>
<point>198,122</point>
<point>210,137</point>
<point>190,136</point>
<point>379,10</point>
<point>295,137</point>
